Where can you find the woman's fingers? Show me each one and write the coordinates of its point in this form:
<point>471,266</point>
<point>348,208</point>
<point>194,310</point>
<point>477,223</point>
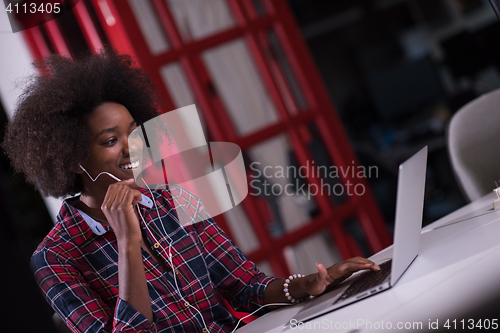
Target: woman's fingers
<point>321,281</point>
<point>346,268</point>
<point>338,273</point>
<point>109,199</point>
<point>131,183</point>
<point>361,260</point>
<point>120,200</point>
<point>133,195</point>
<point>121,194</point>
<point>118,206</point>
<point>322,273</point>
<point>136,197</point>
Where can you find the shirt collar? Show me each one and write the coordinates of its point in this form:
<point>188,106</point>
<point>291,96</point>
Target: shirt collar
<point>98,228</point>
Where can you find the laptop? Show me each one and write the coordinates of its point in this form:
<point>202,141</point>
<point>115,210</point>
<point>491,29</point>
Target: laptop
<point>407,229</point>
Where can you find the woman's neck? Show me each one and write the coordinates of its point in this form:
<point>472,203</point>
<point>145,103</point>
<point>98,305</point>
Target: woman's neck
<point>91,205</point>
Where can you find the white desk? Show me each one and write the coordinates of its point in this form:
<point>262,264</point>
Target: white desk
<point>457,270</point>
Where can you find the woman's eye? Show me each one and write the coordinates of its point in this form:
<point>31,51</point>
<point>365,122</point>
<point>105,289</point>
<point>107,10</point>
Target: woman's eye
<point>109,142</point>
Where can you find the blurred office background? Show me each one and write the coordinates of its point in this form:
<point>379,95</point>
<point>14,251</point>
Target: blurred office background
<point>331,83</point>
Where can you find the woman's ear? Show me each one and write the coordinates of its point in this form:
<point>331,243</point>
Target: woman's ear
<point>79,170</point>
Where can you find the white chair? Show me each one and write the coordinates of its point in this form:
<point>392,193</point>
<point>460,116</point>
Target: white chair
<point>474,145</point>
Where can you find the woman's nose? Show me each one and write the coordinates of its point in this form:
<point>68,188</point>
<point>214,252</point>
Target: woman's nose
<point>126,147</point>
<point>131,146</point>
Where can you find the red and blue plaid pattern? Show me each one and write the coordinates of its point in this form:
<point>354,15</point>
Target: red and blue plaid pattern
<point>77,271</point>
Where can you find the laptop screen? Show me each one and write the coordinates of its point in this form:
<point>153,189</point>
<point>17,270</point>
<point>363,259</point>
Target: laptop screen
<point>409,210</point>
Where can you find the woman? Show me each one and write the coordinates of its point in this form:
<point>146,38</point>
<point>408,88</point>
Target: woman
<point>117,258</point>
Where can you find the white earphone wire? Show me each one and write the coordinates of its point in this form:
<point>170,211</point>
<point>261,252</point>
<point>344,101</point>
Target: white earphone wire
<point>102,173</point>
<point>178,291</point>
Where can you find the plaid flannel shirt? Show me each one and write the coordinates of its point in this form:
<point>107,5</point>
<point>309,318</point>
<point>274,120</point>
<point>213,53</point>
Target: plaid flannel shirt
<point>76,267</point>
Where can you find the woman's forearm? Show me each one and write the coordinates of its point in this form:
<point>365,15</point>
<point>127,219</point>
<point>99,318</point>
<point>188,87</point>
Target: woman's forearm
<point>318,283</point>
<point>132,279</point>
<point>297,288</point>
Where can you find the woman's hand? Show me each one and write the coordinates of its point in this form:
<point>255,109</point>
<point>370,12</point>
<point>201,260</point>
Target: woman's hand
<point>316,284</point>
<point>336,274</point>
<point>118,207</point>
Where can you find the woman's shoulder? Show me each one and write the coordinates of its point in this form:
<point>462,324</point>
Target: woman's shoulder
<point>53,247</point>
<point>69,232</point>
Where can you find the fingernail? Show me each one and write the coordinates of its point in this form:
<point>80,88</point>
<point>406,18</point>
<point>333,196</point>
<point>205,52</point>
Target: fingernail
<point>377,267</point>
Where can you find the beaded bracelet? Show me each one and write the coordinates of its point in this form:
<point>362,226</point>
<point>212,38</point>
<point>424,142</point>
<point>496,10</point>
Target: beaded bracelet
<point>287,293</point>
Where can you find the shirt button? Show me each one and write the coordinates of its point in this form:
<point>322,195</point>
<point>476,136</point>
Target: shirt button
<point>156,245</point>
<point>204,330</point>
<point>186,304</point>
<point>177,271</point>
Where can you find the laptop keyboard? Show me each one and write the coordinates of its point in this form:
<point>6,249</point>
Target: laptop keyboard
<point>368,280</point>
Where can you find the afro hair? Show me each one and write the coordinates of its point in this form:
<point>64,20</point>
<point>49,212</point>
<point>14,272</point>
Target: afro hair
<point>48,136</point>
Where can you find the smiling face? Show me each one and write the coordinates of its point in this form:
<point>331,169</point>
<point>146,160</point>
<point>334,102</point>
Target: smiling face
<point>110,127</point>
